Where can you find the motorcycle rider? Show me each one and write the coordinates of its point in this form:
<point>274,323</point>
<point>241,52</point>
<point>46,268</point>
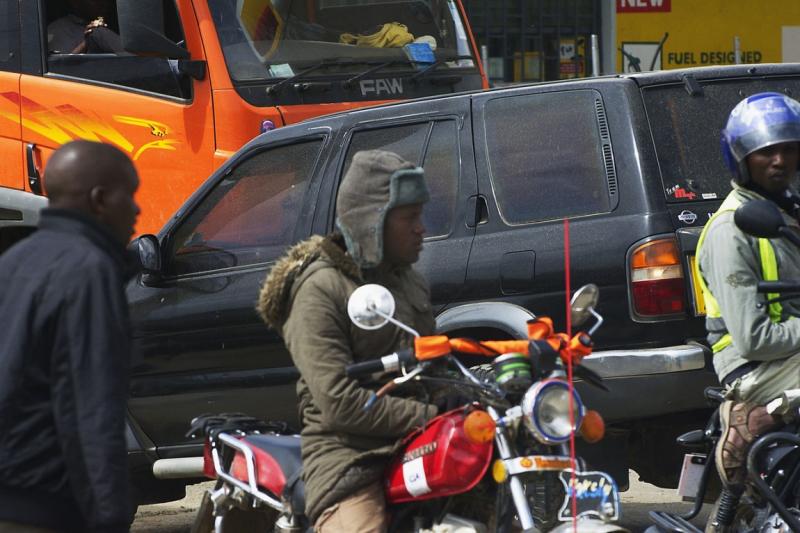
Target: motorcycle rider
<point>345,448</point>
<point>756,345</point>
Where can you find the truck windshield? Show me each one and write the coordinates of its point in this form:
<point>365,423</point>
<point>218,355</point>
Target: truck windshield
<point>686,129</point>
<point>270,40</point>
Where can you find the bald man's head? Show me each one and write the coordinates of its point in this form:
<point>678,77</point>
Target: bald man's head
<point>96,179</point>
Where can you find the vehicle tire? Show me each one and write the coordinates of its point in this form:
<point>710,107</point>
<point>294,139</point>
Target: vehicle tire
<point>236,520</point>
<point>545,494</point>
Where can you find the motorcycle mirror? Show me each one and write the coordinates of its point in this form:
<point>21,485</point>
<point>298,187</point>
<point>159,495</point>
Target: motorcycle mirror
<point>759,218</point>
<point>583,302</point>
<point>370,306</point>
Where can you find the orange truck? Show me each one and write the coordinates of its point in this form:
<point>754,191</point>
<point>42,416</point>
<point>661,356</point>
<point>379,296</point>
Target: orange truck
<point>197,79</point>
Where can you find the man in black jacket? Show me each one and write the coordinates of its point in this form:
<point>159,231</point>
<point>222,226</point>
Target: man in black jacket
<point>65,350</point>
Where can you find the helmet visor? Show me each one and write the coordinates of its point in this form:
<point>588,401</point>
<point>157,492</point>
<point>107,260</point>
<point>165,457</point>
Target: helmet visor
<point>764,136</point>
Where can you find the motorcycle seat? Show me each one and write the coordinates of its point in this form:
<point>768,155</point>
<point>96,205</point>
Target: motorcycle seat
<point>279,467</point>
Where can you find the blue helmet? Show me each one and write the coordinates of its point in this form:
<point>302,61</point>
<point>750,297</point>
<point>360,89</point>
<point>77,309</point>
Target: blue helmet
<point>756,122</point>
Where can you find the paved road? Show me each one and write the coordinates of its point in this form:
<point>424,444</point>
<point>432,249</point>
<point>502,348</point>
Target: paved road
<point>176,517</point>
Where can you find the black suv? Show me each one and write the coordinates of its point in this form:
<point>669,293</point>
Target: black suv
<point>633,162</point>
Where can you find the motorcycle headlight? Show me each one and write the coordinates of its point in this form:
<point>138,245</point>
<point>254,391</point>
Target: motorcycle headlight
<point>545,409</point>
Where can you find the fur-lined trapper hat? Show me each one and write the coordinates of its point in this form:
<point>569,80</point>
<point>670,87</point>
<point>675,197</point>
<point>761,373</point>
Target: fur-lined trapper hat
<point>376,182</point>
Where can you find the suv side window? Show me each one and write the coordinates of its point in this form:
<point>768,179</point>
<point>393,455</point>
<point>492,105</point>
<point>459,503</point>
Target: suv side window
<point>107,62</point>
<point>249,217</point>
<point>431,146</point>
<point>550,164</point>
<point>9,35</point>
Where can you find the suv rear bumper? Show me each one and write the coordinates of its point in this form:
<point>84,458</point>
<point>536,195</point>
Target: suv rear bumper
<point>649,382</point>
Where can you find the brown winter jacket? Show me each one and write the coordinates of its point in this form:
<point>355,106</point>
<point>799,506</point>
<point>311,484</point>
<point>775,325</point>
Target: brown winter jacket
<point>304,298</point>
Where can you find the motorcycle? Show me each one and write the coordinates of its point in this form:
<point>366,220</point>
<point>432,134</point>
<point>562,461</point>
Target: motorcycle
<point>770,502</point>
<point>520,414</point>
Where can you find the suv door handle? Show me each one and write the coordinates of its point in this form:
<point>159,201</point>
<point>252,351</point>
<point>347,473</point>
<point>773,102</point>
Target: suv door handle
<point>477,211</point>
<point>34,180</point>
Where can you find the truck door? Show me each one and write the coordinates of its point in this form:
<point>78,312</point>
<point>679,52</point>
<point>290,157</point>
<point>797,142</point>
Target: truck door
<point>146,106</point>
<point>10,130</point>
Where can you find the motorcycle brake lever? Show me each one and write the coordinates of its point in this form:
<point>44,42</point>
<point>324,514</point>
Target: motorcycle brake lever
<point>410,375</point>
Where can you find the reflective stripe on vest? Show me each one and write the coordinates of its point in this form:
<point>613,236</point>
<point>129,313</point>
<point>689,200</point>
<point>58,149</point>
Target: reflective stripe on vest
<point>769,272</point>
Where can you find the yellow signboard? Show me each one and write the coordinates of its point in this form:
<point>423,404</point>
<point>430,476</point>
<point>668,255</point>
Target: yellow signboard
<point>669,34</point>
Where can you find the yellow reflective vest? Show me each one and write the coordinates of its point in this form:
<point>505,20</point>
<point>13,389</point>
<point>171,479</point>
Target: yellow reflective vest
<point>741,326</point>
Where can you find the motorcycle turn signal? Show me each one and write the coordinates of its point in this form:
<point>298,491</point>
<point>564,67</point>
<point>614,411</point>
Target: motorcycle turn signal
<point>593,427</point>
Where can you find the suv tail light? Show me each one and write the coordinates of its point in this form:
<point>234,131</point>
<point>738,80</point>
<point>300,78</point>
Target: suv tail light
<point>657,285</point>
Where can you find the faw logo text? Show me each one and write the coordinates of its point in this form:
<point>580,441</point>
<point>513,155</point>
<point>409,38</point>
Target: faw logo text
<point>381,87</point>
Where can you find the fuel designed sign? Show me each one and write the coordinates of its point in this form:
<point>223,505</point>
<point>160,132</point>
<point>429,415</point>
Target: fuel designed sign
<point>669,34</point>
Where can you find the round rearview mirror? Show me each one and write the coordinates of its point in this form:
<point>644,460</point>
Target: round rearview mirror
<point>583,301</point>
<point>370,306</point>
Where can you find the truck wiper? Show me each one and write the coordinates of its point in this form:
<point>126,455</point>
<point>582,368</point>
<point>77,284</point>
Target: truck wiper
<point>348,83</point>
<point>433,66</point>
<point>329,62</point>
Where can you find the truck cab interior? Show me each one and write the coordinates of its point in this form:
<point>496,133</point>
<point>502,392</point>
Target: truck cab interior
<point>104,61</point>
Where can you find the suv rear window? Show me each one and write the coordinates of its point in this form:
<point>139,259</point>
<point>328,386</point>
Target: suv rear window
<point>686,130</point>
<point>546,156</point>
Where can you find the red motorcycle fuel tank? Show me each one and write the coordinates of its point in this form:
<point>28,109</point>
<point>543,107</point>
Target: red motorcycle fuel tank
<point>437,461</point>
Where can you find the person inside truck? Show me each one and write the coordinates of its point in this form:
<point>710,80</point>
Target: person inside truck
<point>344,448</point>
<point>756,344</point>
<point>84,29</point>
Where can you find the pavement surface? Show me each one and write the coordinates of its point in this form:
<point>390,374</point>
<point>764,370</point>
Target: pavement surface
<point>177,517</point>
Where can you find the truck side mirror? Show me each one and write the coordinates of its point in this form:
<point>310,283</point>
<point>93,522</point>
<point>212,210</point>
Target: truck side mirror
<point>141,28</point>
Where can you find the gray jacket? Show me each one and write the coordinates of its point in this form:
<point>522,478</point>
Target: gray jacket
<point>730,264</point>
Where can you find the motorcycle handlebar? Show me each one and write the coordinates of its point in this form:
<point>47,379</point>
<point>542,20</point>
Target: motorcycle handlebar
<point>778,286</point>
<point>387,363</point>
<point>436,346</point>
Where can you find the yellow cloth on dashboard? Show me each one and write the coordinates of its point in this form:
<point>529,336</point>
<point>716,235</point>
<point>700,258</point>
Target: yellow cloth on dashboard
<point>391,35</point>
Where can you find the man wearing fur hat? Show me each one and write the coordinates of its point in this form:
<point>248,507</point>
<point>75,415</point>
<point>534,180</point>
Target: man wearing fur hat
<point>345,448</point>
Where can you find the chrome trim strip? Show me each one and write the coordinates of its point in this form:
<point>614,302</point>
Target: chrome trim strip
<point>631,363</point>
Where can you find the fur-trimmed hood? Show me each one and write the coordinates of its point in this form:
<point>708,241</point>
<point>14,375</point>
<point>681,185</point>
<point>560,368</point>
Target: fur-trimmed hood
<point>275,296</point>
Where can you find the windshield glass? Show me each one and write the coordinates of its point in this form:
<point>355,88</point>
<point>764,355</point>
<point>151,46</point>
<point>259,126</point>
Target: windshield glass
<point>277,39</point>
<point>686,130</point>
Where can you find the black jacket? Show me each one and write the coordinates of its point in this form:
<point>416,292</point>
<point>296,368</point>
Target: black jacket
<point>65,357</point>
